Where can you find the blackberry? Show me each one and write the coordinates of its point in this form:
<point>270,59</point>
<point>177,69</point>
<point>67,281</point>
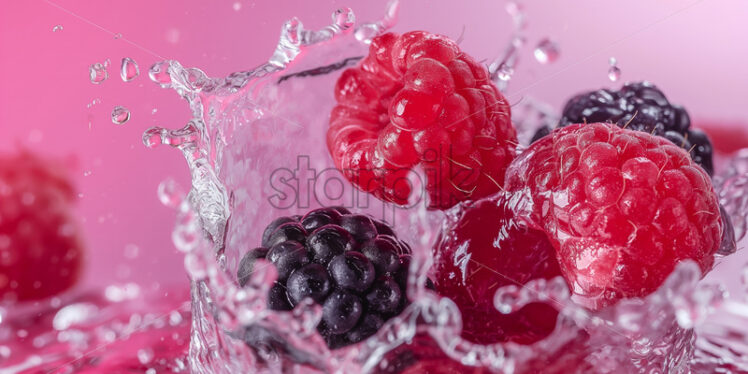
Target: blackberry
<point>350,264</point>
<point>638,106</point>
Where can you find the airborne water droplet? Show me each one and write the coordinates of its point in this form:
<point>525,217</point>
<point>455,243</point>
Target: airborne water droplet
<point>98,73</point>
<point>145,355</point>
<point>159,73</point>
<point>117,36</point>
<point>505,72</point>
<point>57,28</point>
<point>614,72</point>
<point>129,69</point>
<point>120,115</point>
<point>93,102</point>
<point>547,51</point>
<point>170,193</point>
<point>344,18</point>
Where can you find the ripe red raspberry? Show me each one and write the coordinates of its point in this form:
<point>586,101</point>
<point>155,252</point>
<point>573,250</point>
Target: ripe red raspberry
<point>621,207</point>
<point>40,246</point>
<point>482,247</point>
<point>417,100</point>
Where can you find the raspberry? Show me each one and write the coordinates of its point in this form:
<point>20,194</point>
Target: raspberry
<point>350,264</point>
<point>621,207</point>
<point>484,246</point>
<point>639,106</point>
<point>40,243</point>
<point>417,100</point>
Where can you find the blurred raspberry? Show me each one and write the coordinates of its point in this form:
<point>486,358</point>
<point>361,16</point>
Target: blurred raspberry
<point>40,243</point>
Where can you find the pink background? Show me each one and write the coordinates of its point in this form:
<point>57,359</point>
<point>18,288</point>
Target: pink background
<point>694,50</point>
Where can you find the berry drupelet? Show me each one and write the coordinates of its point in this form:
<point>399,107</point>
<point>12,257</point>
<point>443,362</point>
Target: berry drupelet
<point>350,264</point>
<point>643,107</point>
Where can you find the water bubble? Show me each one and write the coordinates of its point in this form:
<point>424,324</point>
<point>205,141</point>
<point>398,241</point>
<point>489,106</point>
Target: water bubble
<point>129,69</point>
<point>120,115</point>
<point>93,102</point>
<point>504,72</point>
<point>344,18</point>
<point>97,73</point>
<point>57,28</point>
<point>74,314</point>
<point>118,293</point>
<point>145,355</point>
<point>131,251</point>
<point>170,193</point>
<point>614,72</point>
<point>516,11</point>
<point>4,351</point>
<point>175,318</point>
<point>546,51</point>
<point>159,73</point>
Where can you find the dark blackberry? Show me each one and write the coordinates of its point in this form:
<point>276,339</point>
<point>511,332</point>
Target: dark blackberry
<point>320,217</point>
<point>639,106</point>
<point>350,264</point>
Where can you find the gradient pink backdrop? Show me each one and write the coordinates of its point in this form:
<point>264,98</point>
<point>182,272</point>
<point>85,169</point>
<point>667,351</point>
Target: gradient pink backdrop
<point>694,50</point>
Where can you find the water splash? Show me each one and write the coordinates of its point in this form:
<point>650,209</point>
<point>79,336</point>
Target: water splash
<point>120,115</point>
<point>97,73</point>
<point>367,31</point>
<point>240,133</point>
<point>732,188</point>
<point>502,69</point>
<point>129,69</point>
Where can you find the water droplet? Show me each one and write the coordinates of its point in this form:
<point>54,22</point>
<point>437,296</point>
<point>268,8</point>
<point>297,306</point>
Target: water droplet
<point>93,102</point>
<point>131,251</point>
<point>120,115</point>
<point>175,318</point>
<point>117,36</point>
<point>344,18</point>
<point>145,355</point>
<point>118,293</point>
<point>237,6</point>
<point>505,72</point>
<point>107,62</point>
<point>614,73</point>
<point>547,51</point>
<point>57,28</point>
<point>154,110</point>
<point>159,73</point>
<point>172,35</point>
<point>97,73</point>
<point>4,351</point>
<point>516,11</point>
<point>74,314</point>
<point>129,69</point>
<point>170,193</point>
